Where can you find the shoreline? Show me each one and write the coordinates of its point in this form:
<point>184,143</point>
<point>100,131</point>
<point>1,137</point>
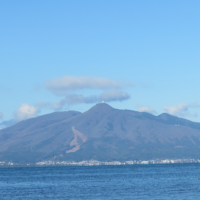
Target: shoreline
<point>50,163</point>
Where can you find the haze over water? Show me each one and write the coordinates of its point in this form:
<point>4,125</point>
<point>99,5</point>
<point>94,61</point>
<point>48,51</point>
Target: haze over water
<point>173,181</point>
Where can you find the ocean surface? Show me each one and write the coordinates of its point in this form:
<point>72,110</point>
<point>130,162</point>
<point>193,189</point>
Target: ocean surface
<point>170,181</point>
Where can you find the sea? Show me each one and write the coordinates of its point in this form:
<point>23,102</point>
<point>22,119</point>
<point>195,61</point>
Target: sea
<point>153,181</point>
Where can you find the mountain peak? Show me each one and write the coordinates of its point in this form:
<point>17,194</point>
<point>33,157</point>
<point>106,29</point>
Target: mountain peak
<point>101,107</point>
<point>165,116</point>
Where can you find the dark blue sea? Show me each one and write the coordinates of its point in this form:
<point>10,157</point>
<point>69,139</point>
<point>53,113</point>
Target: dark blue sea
<point>170,181</point>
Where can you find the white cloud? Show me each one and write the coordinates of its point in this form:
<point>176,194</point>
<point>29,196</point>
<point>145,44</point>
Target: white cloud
<point>1,115</point>
<point>62,85</point>
<point>177,109</point>
<point>181,109</point>
<point>72,99</point>
<point>67,84</point>
<point>25,111</point>
<point>114,95</point>
<point>145,109</point>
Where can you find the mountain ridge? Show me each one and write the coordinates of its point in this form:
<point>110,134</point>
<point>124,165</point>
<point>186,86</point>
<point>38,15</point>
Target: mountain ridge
<point>112,134</point>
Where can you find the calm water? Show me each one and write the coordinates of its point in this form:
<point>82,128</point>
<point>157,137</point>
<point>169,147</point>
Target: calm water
<point>177,181</point>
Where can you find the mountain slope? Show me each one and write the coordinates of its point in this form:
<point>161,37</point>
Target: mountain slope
<point>101,133</point>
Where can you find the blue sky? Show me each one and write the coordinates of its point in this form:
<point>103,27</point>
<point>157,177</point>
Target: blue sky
<point>70,55</point>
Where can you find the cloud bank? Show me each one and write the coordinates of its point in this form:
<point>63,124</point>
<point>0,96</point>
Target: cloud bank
<point>181,109</point>
<point>72,99</point>
<point>25,111</point>
<point>63,85</point>
<point>66,86</point>
<point>145,109</point>
<point>114,95</point>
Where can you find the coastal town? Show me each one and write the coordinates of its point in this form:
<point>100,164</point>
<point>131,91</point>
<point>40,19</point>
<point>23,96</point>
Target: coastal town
<point>97,163</point>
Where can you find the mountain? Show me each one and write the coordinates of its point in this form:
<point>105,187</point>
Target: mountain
<point>101,133</point>
<point>8,123</point>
